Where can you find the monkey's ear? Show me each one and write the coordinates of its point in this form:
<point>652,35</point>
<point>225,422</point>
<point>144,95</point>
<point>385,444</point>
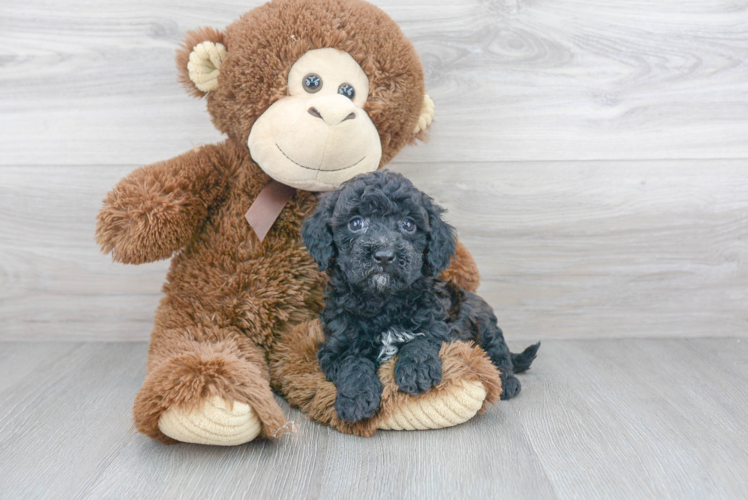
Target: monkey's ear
<point>427,115</point>
<point>317,232</point>
<point>199,59</point>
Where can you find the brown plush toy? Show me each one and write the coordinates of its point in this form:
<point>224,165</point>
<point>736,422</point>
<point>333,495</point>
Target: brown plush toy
<point>309,94</point>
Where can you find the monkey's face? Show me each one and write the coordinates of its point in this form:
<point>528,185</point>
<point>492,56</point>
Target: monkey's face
<point>317,92</point>
<point>319,135</point>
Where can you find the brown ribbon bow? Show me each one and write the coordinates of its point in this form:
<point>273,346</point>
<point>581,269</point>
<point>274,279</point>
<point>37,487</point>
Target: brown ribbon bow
<point>268,205</point>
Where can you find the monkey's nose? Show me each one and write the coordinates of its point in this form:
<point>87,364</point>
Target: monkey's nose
<point>330,119</point>
<point>384,257</point>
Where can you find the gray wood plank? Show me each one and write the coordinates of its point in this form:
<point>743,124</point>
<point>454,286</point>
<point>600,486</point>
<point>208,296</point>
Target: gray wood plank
<point>19,361</point>
<point>513,80</point>
<point>566,249</point>
<point>596,419</point>
<point>62,419</point>
<point>54,282</point>
<point>640,419</point>
<point>591,249</point>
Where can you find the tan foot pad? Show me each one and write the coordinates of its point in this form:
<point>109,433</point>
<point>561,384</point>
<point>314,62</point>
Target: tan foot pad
<point>452,407</point>
<point>215,423</point>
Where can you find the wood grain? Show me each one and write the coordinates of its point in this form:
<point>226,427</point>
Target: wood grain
<point>569,248</point>
<point>512,79</point>
<point>54,282</point>
<point>566,249</point>
<point>592,249</point>
<point>632,419</point>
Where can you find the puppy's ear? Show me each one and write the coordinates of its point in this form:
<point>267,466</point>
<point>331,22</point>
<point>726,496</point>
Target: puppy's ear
<point>441,246</point>
<point>317,232</point>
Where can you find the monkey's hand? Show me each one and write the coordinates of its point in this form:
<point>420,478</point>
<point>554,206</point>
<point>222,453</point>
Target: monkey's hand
<point>156,210</point>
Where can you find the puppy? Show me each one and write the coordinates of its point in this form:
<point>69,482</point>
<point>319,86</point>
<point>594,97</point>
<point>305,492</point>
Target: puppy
<point>383,244</point>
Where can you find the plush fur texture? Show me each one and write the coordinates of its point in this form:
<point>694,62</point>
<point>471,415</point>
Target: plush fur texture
<point>384,243</point>
<point>229,299</point>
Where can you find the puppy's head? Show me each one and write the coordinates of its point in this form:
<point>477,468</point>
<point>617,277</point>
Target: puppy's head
<point>380,232</point>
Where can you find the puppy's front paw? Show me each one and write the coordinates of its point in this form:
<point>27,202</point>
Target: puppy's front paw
<point>359,391</point>
<point>417,371</point>
<point>355,407</point>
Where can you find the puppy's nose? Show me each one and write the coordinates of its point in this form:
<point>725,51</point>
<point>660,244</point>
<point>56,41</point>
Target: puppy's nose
<point>384,257</point>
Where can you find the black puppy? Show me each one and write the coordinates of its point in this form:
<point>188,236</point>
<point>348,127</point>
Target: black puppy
<point>384,243</point>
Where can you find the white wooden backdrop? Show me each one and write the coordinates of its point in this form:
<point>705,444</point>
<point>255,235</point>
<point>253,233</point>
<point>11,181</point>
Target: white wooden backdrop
<point>593,155</point>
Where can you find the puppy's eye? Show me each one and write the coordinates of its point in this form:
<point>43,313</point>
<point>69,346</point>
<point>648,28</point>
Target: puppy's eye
<point>407,225</point>
<point>346,90</point>
<point>312,83</point>
<point>356,224</point>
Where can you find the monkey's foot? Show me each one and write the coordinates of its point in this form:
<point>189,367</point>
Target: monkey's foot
<point>205,397</point>
<point>452,406</point>
<point>217,422</point>
<point>470,383</point>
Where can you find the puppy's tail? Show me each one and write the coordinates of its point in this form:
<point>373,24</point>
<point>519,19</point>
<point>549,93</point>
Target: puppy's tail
<point>523,360</point>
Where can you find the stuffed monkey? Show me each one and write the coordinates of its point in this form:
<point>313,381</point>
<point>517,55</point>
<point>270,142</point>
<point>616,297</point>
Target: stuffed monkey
<point>308,93</point>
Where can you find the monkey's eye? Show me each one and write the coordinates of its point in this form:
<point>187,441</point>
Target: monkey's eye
<point>356,224</point>
<point>312,83</point>
<point>407,225</point>
<point>346,90</point>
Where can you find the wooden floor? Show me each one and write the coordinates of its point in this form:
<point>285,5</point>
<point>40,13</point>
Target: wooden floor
<point>595,419</point>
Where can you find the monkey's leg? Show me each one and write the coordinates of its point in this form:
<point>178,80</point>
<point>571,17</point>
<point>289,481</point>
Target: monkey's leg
<point>469,383</point>
<point>207,385</point>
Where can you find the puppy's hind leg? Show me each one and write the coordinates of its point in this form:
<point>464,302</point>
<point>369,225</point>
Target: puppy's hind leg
<point>476,312</point>
<point>491,339</point>
<point>508,363</point>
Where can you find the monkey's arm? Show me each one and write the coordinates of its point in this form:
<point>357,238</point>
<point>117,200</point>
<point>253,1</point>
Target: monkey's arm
<point>156,210</point>
<point>463,271</point>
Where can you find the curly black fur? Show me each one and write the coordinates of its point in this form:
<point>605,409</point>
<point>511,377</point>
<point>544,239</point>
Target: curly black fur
<point>383,244</point>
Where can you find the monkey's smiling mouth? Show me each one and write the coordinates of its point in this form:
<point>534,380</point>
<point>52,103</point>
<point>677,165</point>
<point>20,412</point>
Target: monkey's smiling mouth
<point>317,169</point>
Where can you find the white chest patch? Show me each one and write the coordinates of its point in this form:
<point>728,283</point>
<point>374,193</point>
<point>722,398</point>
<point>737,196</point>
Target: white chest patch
<point>391,341</point>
